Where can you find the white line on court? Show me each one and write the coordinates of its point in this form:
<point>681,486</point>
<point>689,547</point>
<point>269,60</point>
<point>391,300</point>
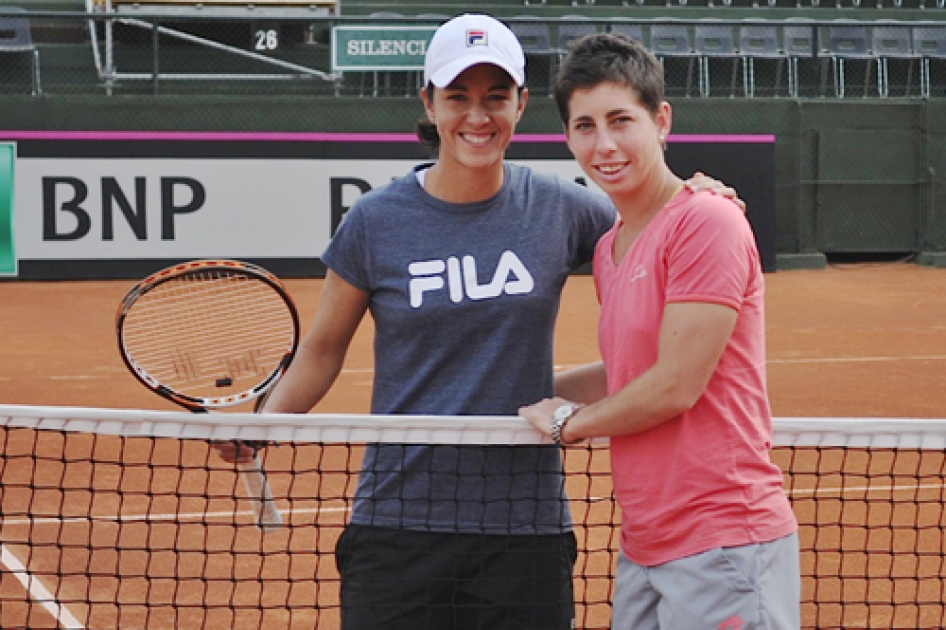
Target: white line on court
<point>803,360</point>
<point>37,591</point>
<point>858,489</point>
<point>185,516</point>
<point>331,511</point>
<point>932,357</point>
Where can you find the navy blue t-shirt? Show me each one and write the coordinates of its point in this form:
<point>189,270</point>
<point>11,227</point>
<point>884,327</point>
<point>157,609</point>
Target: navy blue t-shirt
<point>464,298</point>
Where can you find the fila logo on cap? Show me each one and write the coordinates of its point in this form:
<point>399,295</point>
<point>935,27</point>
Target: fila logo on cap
<point>476,37</point>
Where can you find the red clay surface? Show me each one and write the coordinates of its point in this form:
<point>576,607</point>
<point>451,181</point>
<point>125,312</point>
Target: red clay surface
<point>844,341</point>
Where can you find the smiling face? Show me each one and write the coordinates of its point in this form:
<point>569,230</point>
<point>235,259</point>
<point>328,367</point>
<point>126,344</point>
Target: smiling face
<point>616,140</point>
<point>475,117</point>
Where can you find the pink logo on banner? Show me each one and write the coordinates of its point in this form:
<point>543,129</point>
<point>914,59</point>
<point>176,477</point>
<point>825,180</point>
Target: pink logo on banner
<point>733,623</point>
<point>476,38</point>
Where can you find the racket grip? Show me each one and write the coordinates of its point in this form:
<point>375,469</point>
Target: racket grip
<point>267,515</point>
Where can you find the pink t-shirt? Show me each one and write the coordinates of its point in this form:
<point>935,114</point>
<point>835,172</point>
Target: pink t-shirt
<point>703,479</point>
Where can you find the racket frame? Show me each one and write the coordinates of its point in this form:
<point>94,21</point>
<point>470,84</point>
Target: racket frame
<point>259,494</point>
<point>194,267</point>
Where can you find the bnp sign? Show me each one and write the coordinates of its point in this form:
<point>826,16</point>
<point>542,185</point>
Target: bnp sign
<point>367,48</point>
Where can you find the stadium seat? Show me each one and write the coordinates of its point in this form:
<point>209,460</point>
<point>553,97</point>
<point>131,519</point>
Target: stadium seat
<point>713,41</point>
<point>846,42</point>
<point>798,42</point>
<point>669,41</point>
<point>536,40</point>
<point>839,43</point>
<point>758,40</point>
<point>631,31</point>
<point>15,37</point>
<point>929,42</point>
<point>891,41</point>
<point>535,37</point>
<point>573,27</point>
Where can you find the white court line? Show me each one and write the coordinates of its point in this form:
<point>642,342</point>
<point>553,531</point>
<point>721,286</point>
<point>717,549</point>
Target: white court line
<point>41,594</point>
<point>932,357</point>
<point>37,591</point>
<point>186,516</point>
<point>853,489</point>
<point>197,516</point>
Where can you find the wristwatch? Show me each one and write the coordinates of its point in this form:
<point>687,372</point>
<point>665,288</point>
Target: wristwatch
<point>560,418</point>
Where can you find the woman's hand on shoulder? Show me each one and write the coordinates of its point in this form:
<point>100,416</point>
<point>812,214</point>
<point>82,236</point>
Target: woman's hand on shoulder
<point>700,181</point>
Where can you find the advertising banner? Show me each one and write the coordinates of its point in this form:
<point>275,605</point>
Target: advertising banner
<point>119,205</point>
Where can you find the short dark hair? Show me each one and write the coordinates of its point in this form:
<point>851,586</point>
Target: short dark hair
<point>609,58</point>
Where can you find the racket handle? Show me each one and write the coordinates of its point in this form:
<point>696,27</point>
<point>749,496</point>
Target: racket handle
<point>261,497</point>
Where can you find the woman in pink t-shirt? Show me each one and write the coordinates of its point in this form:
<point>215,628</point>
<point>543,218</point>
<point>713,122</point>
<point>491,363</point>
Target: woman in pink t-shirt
<point>708,536</point>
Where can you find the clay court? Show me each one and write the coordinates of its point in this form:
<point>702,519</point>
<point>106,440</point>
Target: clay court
<point>860,340</point>
<point>848,341</point>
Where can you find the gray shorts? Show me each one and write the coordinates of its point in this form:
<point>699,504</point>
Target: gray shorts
<point>754,587</point>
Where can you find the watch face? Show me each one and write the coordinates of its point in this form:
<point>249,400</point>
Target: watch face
<point>563,412</point>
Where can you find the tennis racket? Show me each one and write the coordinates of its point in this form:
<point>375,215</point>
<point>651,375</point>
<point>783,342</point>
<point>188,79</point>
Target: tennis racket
<point>209,334</point>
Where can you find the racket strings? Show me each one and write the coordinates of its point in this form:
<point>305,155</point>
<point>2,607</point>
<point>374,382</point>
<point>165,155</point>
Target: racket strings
<point>209,334</point>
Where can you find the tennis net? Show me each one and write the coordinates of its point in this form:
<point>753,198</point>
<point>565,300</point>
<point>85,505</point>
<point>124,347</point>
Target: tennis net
<point>121,518</point>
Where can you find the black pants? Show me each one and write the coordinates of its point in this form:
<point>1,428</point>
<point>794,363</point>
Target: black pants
<point>394,579</point>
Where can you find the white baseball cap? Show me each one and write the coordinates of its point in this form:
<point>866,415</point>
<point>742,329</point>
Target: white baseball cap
<point>468,40</point>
